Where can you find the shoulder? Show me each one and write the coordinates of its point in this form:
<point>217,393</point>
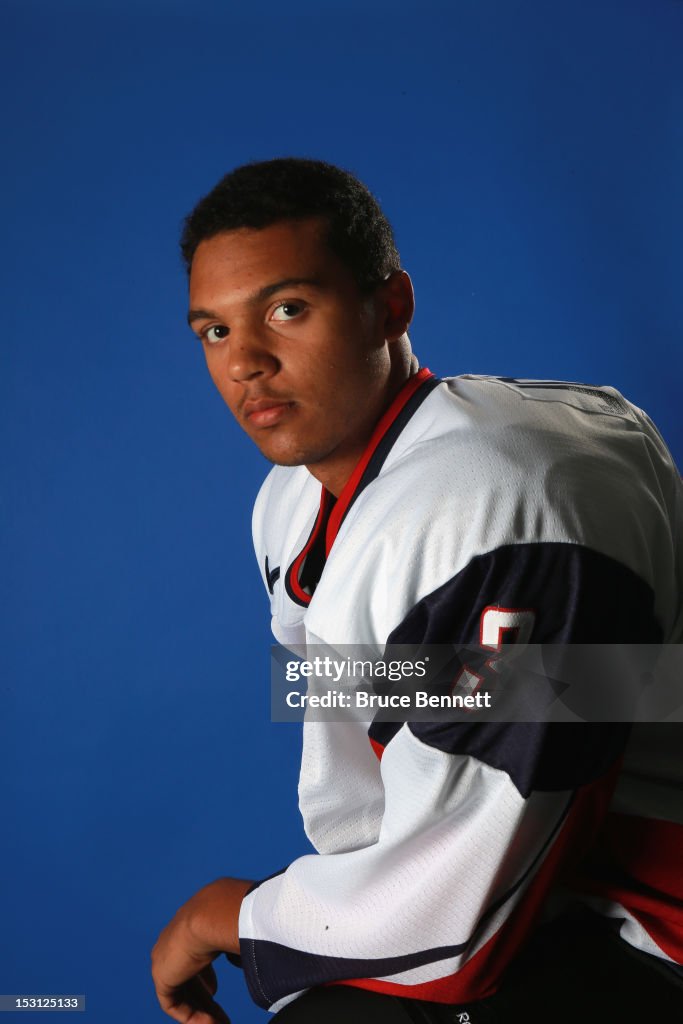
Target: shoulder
<point>499,462</point>
<point>281,484</point>
<point>280,494</point>
<point>284,502</point>
<point>516,426</point>
<point>492,467</point>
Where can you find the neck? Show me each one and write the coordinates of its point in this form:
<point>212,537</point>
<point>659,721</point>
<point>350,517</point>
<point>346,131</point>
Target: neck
<point>334,474</point>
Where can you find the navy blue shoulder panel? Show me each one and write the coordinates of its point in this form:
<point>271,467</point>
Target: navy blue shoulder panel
<point>577,596</point>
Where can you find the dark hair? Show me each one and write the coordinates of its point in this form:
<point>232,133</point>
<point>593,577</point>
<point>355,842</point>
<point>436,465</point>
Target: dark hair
<point>257,195</point>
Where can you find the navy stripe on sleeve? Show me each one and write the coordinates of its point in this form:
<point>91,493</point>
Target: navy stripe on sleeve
<point>536,755</point>
<point>282,970</point>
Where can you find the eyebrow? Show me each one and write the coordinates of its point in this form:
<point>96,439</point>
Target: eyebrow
<point>259,296</point>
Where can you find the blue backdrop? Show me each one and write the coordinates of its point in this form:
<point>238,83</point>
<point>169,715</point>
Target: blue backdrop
<point>530,156</point>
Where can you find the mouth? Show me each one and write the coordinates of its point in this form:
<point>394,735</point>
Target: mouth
<point>266,412</point>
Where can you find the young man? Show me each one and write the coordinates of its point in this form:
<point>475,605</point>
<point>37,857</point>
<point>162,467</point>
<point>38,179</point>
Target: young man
<point>404,509</point>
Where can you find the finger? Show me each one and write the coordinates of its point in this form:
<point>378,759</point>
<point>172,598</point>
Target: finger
<point>208,977</point>
<point>191,1003</point>
<point>199,997</point>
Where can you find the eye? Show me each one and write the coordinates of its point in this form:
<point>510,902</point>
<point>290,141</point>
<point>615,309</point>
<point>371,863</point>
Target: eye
<point>285,311</point>
<point>212,335</point>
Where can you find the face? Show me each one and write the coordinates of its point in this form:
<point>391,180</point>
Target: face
<point>298,353</point>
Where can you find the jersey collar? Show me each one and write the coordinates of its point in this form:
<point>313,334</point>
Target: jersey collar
<point>407,401</point>
<point>331,514</point>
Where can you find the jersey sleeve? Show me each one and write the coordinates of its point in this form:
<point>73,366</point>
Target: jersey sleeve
<point>479,821</point>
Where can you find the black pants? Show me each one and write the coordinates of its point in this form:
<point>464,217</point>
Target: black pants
<point>575,971</point>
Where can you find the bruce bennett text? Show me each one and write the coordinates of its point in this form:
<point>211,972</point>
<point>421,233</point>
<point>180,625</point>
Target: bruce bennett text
<point>375,701</point>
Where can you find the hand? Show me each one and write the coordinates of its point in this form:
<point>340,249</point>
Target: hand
<point>201,930</point>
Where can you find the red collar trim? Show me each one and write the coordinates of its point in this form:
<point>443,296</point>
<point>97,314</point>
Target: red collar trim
<point>344,499</point>
<point>293,574</point>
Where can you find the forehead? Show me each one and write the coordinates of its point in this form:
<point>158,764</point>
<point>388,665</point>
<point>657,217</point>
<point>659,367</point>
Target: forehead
<point>246,259</point>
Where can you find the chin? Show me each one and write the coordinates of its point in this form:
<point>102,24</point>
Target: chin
<point>293,454</point>
<point>283,460</point>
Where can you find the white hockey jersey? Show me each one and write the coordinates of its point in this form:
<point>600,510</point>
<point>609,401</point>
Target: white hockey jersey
<point>478,500</point>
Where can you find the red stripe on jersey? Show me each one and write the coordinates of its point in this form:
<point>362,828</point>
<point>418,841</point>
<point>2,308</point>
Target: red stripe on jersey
<point>325,498</point>
<point>649,849</point>
<point>481,974</point>
<point>637,864</point>
<point>377,747</point>
<point>406,392</point>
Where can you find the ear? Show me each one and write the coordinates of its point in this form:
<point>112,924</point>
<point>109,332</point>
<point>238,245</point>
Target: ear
<point>399,304</point>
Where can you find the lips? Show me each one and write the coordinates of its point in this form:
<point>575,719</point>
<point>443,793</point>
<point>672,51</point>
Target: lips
<point>265,412</point>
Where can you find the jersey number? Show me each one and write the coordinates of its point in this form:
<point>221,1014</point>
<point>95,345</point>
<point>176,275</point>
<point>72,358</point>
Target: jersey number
<point>497,626</point>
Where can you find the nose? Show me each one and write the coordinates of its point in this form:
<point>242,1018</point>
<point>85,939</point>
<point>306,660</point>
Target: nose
<point>249,357</point>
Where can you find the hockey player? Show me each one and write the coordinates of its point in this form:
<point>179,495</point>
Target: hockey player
<point>405,509</point>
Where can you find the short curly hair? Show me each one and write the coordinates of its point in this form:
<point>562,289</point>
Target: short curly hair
<point>257,195</point>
